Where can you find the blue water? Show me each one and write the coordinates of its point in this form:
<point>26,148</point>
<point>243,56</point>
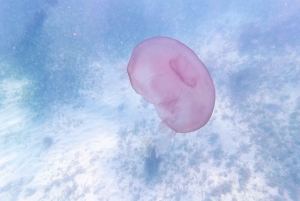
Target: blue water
<point>72,127</point>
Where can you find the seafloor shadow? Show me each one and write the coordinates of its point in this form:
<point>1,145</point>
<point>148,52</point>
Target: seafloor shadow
<point>152,166</point>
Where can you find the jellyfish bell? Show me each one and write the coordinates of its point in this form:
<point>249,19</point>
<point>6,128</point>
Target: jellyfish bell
<point>169,75</point>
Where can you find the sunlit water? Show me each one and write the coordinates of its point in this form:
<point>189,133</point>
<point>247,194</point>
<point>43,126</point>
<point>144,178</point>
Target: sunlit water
<point>72,127</point>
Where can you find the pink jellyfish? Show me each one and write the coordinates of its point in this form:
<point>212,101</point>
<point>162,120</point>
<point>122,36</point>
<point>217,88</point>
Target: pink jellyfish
<point>169,75</point>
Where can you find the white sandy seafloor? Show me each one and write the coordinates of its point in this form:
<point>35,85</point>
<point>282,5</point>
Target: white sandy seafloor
<point>99,146</point>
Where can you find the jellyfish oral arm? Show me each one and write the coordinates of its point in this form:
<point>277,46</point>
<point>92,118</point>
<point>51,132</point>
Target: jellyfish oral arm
<point>164,142</point>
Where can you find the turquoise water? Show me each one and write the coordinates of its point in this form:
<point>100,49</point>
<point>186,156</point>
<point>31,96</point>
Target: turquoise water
<point>72,127</point>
